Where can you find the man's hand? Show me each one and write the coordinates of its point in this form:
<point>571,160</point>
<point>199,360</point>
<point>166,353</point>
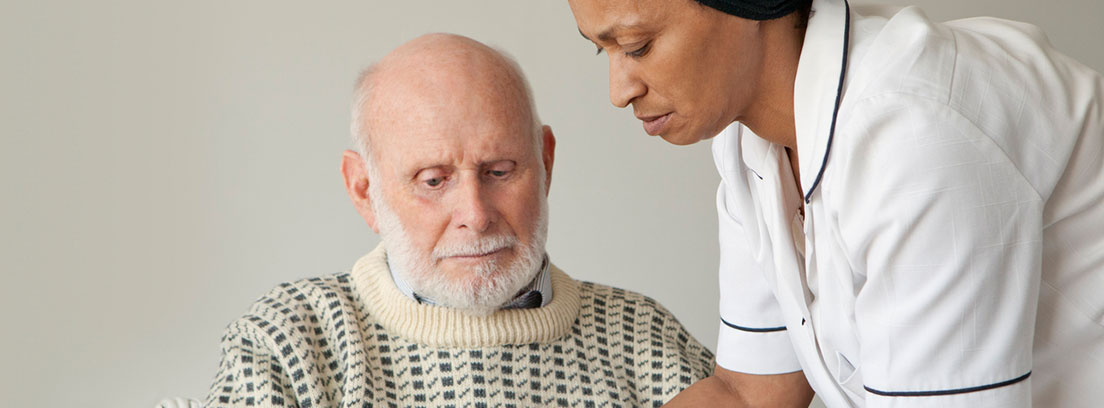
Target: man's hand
<point>732,389</point>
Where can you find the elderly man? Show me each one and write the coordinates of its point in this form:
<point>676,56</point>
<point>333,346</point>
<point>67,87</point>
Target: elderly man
<point>459,305</point>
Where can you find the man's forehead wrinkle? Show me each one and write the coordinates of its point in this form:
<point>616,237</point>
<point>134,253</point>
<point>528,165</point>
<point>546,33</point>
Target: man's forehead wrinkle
<point>446,72</point>
<point>405,89</point>
<point>439,89</point>
<point>423,108</point>
<point>452,62</point>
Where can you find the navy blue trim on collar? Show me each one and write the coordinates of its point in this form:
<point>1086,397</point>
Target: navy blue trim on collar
<point>839,98</point>
<point>946,392</point>
<point>753,329</point>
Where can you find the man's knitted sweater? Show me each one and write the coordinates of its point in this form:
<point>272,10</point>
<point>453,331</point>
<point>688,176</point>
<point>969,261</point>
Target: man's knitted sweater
<point>354,340</point>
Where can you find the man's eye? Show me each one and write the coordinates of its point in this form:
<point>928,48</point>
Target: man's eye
<point>434,182</point>
<point>498,173</point>
<point>639,52</point>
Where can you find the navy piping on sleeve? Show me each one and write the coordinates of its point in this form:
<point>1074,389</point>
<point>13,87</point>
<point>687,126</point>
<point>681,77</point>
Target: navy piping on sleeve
<point>754,329</point>
<point>946,392</point>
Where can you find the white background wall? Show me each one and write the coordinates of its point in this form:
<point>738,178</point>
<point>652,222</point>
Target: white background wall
<point>164,163</point>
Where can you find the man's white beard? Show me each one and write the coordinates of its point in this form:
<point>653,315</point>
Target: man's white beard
<point>493,285</point>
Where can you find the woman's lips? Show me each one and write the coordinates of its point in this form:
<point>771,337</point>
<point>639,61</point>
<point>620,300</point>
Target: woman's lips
<point>654,125</point>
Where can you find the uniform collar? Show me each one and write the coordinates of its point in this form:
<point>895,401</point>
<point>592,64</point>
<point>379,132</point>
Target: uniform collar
<point>540,288</point>
<point>818,87</point>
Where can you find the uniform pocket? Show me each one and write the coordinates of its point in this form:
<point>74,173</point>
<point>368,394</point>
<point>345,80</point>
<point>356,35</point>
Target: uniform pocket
<point>849,378</point>
<point>846,370</point>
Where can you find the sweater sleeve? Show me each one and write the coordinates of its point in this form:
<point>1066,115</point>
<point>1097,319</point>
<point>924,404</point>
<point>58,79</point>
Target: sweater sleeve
<point>249,374</point>
<point>679,362</point>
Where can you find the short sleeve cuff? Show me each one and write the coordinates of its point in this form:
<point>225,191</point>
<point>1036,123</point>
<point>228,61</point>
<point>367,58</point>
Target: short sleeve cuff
<point>1017,394</point>
<point>755,352</point>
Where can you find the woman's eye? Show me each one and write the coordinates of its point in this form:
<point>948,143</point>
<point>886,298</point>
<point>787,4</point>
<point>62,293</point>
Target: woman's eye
<point>639,52</point>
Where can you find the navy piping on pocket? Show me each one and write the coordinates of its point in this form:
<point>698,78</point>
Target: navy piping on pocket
<point>754,329</point>
<point>946,392</point>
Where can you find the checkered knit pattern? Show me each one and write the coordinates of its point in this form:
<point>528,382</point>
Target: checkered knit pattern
<point>353,340</point>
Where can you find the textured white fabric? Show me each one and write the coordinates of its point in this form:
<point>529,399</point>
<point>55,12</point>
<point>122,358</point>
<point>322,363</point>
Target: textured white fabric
<point>956,238</point>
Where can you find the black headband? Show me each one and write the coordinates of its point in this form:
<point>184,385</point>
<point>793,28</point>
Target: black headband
<point>753,9</point>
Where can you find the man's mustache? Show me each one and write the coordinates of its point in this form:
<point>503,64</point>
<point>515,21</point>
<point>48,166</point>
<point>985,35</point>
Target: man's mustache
<point>480,246</point>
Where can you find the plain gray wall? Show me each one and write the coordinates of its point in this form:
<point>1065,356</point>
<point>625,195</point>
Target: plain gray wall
<point>165,163</point>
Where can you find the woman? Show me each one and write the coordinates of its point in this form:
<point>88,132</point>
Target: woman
<point>909,211</point>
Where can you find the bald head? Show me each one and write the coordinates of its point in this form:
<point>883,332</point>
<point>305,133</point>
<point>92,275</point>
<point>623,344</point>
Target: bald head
<point>441,77</point>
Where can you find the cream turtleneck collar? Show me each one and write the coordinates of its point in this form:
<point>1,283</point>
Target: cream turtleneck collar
<point>448,327</point>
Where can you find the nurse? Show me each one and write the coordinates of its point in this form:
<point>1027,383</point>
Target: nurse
<point>910,212</point>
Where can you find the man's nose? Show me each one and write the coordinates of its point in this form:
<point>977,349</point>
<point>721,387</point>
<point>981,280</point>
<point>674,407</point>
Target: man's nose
<point>474,209</point>
<point>623,82</point>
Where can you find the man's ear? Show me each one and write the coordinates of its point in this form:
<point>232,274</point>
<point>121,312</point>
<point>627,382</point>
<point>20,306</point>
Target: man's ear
<point>549,155</point>
<point>356,184</point>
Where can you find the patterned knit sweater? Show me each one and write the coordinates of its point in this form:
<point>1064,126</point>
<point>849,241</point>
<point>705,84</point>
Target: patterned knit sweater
<point>354,340</point>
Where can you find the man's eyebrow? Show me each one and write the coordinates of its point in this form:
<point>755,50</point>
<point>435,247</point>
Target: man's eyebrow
<point>493,161</point>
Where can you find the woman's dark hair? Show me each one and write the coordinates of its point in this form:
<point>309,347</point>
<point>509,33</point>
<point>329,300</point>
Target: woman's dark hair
<point>773,9</point>
<point>804,8</point>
